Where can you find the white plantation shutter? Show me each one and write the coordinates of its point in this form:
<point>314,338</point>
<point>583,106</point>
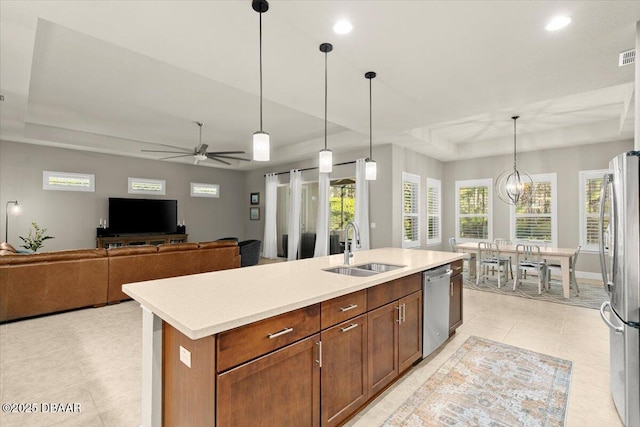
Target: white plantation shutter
<point>434,207</point>
<point>536,219</point>
<point>474,203</point>
<point>590,194</point>
<point>410,210</point>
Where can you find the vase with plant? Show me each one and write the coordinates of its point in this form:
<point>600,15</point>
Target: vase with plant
<point>35,238</point>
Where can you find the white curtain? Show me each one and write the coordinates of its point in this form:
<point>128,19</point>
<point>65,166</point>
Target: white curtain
<point>322,224</point>
<point>361,216</point>
<point>270,245</point>
<point>295,188</point>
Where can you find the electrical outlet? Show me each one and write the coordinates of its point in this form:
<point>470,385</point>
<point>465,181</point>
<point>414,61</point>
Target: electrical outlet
<point>185,356</point>
<point>373,225</point>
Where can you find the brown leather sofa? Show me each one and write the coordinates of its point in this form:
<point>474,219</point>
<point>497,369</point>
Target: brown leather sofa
<point>139,263</point>
<point>50,282</point>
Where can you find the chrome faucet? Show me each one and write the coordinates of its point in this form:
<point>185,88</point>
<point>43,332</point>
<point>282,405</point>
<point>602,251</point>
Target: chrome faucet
<point>356,236</point>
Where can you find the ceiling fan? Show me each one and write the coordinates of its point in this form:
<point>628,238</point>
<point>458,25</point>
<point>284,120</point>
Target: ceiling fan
<point>200,152</point>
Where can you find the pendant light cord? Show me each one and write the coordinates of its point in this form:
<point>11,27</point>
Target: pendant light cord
<point>514,141</point>
<point>325,100</point>
<point>260,71</point>
<point>370,124</point>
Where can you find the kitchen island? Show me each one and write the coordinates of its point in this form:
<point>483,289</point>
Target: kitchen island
<point>247,346</point>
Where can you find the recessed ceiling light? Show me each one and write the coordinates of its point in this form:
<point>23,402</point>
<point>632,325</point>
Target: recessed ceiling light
<point>342,27</point>
<point>557,23</point>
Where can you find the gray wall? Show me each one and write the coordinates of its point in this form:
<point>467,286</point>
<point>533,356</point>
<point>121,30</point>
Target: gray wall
<point>565,162</point>
<point>72,217</point>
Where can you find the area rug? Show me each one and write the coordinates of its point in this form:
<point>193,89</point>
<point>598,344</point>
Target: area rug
<point>591,296</point>
<point>486,383</point>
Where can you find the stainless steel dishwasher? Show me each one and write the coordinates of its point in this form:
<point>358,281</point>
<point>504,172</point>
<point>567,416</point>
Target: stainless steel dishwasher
<point>435,297</point>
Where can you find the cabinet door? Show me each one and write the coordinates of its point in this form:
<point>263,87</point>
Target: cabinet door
<point>410,330</point>
<point>455,303</point>
<point>382,346</point>
<point>344,370</point>
<point>279,389</point>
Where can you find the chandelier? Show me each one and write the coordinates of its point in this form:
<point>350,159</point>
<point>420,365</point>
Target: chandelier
<point>514,186</point>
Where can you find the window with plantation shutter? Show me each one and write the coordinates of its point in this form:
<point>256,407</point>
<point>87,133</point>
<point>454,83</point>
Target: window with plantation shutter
<point>474,209</point>
<point>590,194</point>
<point>410,210</point>
<point>536,218</point>
<point>434,207</point>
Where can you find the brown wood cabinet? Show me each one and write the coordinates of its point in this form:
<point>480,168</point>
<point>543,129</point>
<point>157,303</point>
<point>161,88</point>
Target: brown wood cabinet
<point>410,331</point>
<point>394,340</point>
<point>280,389</point>
<point>344,370</point>
<point>455,297</point>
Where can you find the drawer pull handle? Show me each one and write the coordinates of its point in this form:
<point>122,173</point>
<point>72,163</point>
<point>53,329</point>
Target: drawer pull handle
<point>349,307</point>
<point>350,327</point>
<point>281,333</point>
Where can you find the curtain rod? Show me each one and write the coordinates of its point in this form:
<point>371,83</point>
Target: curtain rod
<point>315,167</point>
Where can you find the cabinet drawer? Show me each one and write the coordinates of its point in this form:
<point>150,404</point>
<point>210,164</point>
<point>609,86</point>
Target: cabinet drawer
<point>386,292</point>
<point>456,266</point>
<point>342,308</point>
<point>248,342</point>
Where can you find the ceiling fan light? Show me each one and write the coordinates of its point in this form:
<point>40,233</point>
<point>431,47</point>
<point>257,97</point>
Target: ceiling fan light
<point>370,170</point>
<point>261,146</point>
<point>200,156</point>
<point>326,161</point>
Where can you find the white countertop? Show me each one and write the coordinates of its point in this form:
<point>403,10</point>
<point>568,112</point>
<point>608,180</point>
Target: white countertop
<point>204,304</point>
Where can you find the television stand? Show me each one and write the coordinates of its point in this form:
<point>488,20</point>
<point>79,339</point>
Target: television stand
<point>139,239</point>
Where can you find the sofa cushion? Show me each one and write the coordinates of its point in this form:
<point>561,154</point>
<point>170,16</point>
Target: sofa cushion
<point>171,247</point>
<point>6,248</point>
<point>69,255</point>
<point>217,244</point>
<point>132,250</point>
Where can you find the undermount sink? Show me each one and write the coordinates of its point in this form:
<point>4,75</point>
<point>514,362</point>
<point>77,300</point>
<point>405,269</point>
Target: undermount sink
<point>379,267</point>
<point>364,269</point>
<point>350,271</point>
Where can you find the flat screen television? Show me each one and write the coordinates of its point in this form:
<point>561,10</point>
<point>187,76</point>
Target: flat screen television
<point>142,216</point>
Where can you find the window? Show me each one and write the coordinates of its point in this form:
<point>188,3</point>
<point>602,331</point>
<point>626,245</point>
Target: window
<point>147,186</point>
<point>205,190</point>
<point>342,199</point>
<point>590,193</point>
<point>474,205</point>
<point>536,219</point>
<point>434,207</point>
<point>68,181</point>
<point>410,210</point>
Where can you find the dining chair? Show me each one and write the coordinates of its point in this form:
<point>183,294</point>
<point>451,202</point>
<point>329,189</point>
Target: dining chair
<point>470,257</point>
<point>505,242</point>
<point>572,271</point>
<point>529,259</point>
<point>489,259</point>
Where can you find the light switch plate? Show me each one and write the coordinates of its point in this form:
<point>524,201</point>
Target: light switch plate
<point>373,225</point>
<point>185,356</point>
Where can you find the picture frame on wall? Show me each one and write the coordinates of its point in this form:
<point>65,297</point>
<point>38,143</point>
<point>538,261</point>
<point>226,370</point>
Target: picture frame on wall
<point>254,214</point>
<point>255,198</point>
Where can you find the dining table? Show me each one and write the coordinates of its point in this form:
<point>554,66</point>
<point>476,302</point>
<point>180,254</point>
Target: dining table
<point>560,256</point>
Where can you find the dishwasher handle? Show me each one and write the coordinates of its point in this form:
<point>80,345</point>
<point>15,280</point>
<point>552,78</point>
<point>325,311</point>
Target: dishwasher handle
<point>440,277</point>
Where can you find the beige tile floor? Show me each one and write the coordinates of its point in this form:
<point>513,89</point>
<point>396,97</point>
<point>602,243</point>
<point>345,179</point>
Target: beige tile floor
<point>92,357</point>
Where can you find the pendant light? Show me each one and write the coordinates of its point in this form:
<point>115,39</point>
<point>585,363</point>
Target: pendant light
<point>370,169</point>
<point>326,156</point>
<point>514,186</point>
<point>260,138</point>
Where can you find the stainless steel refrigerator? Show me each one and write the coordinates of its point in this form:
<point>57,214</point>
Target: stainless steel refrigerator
<point>620,265</point>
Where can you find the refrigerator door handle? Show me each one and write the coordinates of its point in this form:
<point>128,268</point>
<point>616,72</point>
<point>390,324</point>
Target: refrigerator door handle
<point>606,180</point>
<point>603,307</point>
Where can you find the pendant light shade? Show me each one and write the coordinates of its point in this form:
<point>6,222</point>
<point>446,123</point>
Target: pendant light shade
<point>325,159</point>
<point>261,140</point>
<point>370,168</point>
<point>514,186</point>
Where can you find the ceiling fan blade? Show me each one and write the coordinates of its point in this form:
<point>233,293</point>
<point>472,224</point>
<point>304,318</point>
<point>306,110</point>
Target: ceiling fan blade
<point>160,151</point>
<point>230,157</point>
<point>215,153</point>
<point>174,157</point>
<point>202,148</point>
<point>218,160</point>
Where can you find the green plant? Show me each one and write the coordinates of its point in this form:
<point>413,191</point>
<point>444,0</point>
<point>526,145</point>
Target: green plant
<point>35,238</point>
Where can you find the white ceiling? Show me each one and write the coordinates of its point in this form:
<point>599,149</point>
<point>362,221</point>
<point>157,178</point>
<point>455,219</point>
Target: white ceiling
<point>119,77</point>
